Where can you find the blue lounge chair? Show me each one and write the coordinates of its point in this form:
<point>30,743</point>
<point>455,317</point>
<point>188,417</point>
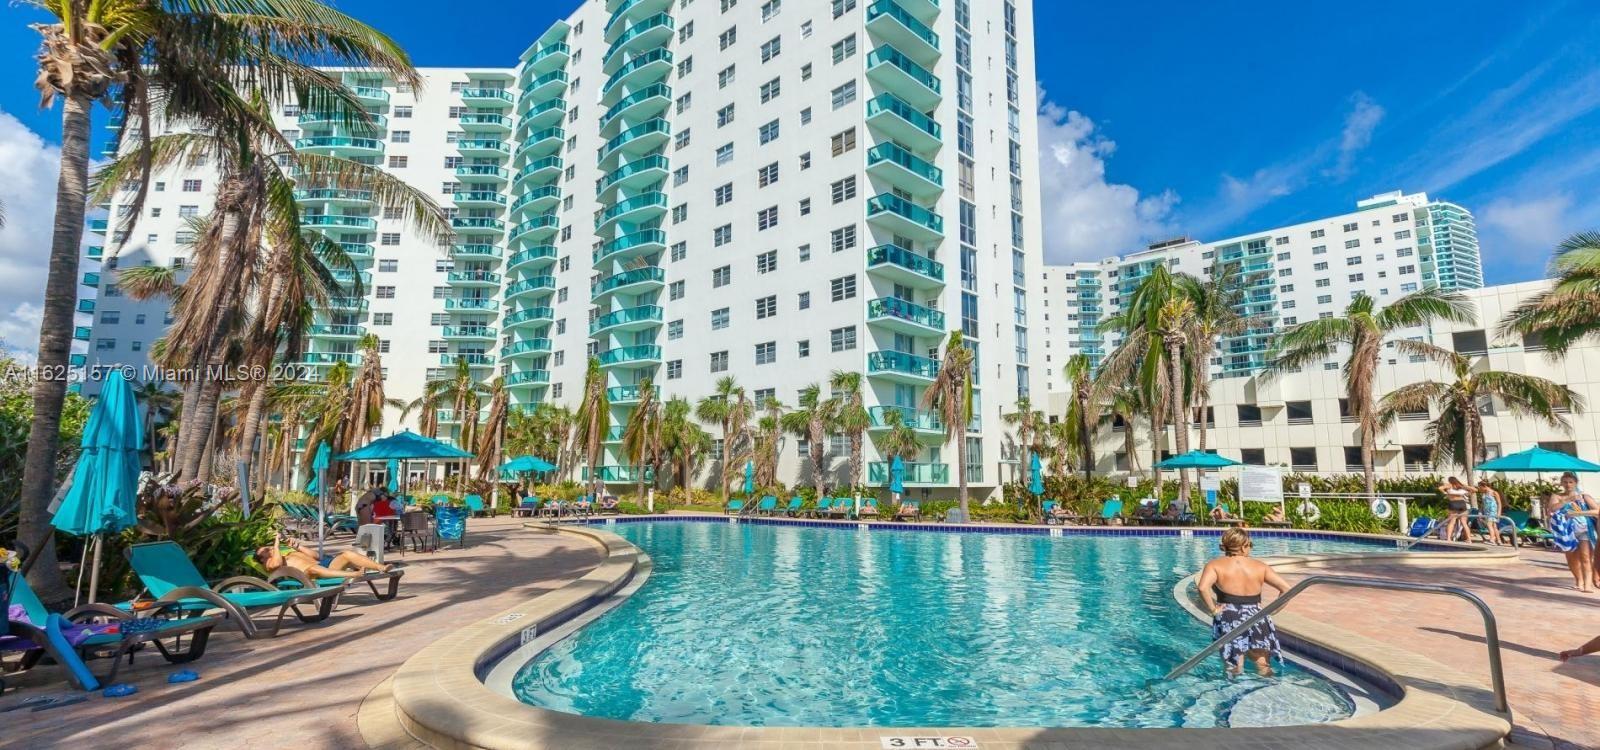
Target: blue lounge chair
<point>768,506</point>
<point>796,504</point>
<point>528,507</point>
<point>909,510</point>
<point>1422,527</point>
<point>1111,510</point>
<point>869,507</point>
<point>169,575</point>
<point>842,506</point>
<point>1520,522</point>
<point>823,505</point>
<point>38,640</point>
<point>735,507</point>
<point>476,506</point>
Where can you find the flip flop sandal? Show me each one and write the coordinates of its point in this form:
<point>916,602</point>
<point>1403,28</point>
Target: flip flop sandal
<point>182,675</point>
<point>63,702</point>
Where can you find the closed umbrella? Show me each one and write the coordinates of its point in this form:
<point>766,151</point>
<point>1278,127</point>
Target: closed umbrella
<point>749,478</point>
<point>319,480</point>
<point>1035,475</point>
<point>106,479</point>
<point>897,476</point>
<point>394,474</point>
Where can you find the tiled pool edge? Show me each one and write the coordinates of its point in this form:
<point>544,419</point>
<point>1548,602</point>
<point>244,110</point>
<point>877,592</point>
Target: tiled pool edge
<point>439,698</point>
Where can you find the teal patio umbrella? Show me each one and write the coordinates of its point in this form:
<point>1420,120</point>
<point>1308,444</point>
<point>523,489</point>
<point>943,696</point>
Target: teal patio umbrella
<point>105,481</point>
<point>403,445</point>
<point>393,467</point>
<point>1196,460</point>
<point>525,464</point>
<point>1537,459</point>
<point>319,485</point>
<point>897,476</point>
<point>1035,475</point>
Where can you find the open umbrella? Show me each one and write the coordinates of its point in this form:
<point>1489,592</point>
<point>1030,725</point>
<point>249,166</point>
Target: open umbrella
<point>105,482</point>
<point>525,464</point>
<point>403,445</point>
<point>1035,475</point>
<point>1538,459</point>
<point>1196,460</point>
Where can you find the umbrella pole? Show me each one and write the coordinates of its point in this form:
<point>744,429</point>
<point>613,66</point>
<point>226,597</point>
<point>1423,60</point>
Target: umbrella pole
<point>94,572</point>
<point>83,562</point>
<point>322,510</point>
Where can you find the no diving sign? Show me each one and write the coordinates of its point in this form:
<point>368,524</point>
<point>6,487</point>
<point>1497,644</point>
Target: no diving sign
<point>897,743</point>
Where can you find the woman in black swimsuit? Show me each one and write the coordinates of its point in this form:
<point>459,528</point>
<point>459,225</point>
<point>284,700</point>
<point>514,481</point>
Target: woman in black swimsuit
<point>1231,588</point>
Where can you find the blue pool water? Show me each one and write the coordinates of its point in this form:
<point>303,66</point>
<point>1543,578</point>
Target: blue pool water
<point>762,625</point>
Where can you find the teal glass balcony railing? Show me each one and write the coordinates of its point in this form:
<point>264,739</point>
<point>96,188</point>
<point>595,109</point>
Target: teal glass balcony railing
<point>468,332</point>
<point>623,474</point>
<point>893,10</point>
<point>622,394</point>
<point>537,194</point>
<point>525,346</point>
<point>347,303</point>
<point>547,283</point>
<point>470,358</point>
<point>545,52</point>
<point>537,252</point>
<point>626,278</point>
<point>553,77</point>
<point>642,313</point>
<point>483,144</point>
<point>629,354</point>
<point>78,360</point>
<point>349,278</point>
<point>653,91</point>
<point>889,151</point>
<point>336,220</point>
<point>526,314</point>
<point>86,305</point>
<point>479,196</point>
<point>337,329</point>
<point>887,55</point>
<point>356,249</point>
<point>894,255</point>
<point>484,119</point>
<point>636,64</point>
<point>91,279</point>
<point>339,142</point>
<point>630,241</point>
<point>900,362</point>
<point>542,113</point>
<point>97,225</point>
<point>472,277</point>
<point>483,171</point>
<point>475,251</point>
<point>658,21</point>
<point>614,435</point>
<point>81,333</point>
<point>642,200</point>
<point>549,162</point>
<point>333,194</point>
<point>371,93</point>
<point>527,377</point>
<point>913,473</point>
<point>899,309</point>
<point>894,204</point>
<point>542,221</point>
<point>96,252</point>
<point>352,120</point>
<point>648,127</point>
<point>493,95</point>
<point>327,358</point>
<point>477,222</point>
<point>651,163</point>
<point>471,303</point>
<point>891,104</point>
<point>916,419</point>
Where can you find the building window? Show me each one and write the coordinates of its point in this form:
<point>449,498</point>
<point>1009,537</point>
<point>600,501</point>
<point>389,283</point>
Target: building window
<point>843,238</point>
<point>769,132</point>
<point>674,330</point>
<point>679,251</point>
<point>399,162</point>
<point>844,141</point>
<point>719,361</point>
<point>844,189</point>
<point>843,288</point>
<point>767,218</point>
<point>766,353</point>
<point>766,307</point>
<point>767,175</point>
<point>767,262</point>
<point>803,349</point>
<point>722,235</point>
<point>725,116</point>
<point>719,319</point>
<point>191,186</point>
<point>842,339</point>
<point>722,276</point>
<point>803,300</point>
<point>724,154</point>
<point>385,292</point>
<point>727,38</point>
<point>770,90</point>
<point>723,194</point>
<point>674,369</point>
<point>675,290</point>
<point>844,95</point>
<point>844,49</point>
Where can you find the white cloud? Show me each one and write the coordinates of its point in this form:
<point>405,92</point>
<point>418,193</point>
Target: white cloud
<point>1364,116</point>
<point>1085,216</point>
<point>28,170</point>
<point>1520,234</point>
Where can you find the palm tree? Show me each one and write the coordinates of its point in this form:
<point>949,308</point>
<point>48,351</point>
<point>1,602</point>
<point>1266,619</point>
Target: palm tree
<point>159,403</point>
<point>1457,433</point>
<point>1030,429</point>
<point>594,422</point>
<point>1123,402</point>
<point>1216,302</point>
<point>768,442</point>
<point>722,407</point>
<point>1173,322</point>
<point>951,396</point>
<point>850,417</point>
<point>1362,332</point>
<point>809,421</point>
<point>460,391</point>
<point>641,439</point>
<point>492,434</point>
<point>1146,356</point>
<point>683,438</point>
<point>1569,311</point>
<point>1081,410</point>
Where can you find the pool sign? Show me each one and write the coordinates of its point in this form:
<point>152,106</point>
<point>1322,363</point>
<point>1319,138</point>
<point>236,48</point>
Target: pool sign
<point>897,743</point>
<point>1305,490</point>
<point>1261,483</point>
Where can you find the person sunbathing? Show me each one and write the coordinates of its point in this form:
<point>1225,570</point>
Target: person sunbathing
<point>348,564</point>
<point>1220,513</point>
<point>1275,515</point>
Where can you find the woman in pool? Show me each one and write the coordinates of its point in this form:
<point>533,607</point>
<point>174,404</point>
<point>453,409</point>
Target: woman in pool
<point>347,564</point>
<point>1571,522</point>
<point>1490,501</point>
<point>1231,588</point>
<point>1455,522</point>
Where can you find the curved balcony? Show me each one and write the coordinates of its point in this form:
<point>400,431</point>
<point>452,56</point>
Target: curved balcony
<point>357,250</point>
<point>902,367</point>
<point>906,317</point>
<point>535,285</point>
<point>530,315</point>
<point>335,197</point>
<point>905,267</point>
<point>541,143</point>
<point>645,68</point>
<point>472,278</point>
<point>893,163</point>
<point>347,304</point>
<point>484,173</point>
<point>478,122</point>
<point>893,70</point>
<point>95,252</point>
<point>475,252</point>
<point>86,305</point>
<point>545,85</point>
<point>631,356</point>
<point>337,331</point>
<point>473,359</point>
<point>923,10</point>
<point>486,97</point>
<point>623,474</point>
<point>470,303</point>
<point>371,94</point>
<point>634,210</point>
<point>528,377</point>
<point>892,116</point>
<point>340,145</point>
<point>627,319</point>
<point>638,140</point>
<point>548,57</point>
<point>623,14</point>
<point>526,346</point>
<point>544,169</point>
<point>327,358</point>
<point>624,394</point>
<point>483,147</point>
<point>634,175</point>
<point>538,255</point>
<point>477,222</point>
<point>653,31</point>
<point>633,245</point>
<point>479,199</point>
<point>468,333</point>
<point>338,221</point>
<point>352,281</point>
<point>905,218</point>
<point>646,103</point>
<point>537,201</point>
<point>916,419</point>
<point>330,119</point>
<point>538,229</point>
<point>914,473</point>
<point>541,115</point>
<point>887,21</point>
<point>628,282</point>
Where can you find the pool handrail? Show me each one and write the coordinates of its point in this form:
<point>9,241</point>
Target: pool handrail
<point>1490,629</point>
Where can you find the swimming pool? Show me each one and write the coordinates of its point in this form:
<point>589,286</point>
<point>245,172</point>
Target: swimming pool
<point>771,625</point>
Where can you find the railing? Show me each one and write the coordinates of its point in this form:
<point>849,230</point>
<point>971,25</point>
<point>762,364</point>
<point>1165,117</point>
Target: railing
<point>633,32</point>
<point>1490,630</point>
<point>627,354</point>
<point>893,10</point>
<point>337,329</point>
<point>496,94</point>
<point>530,313</point>
<point>635,276</point>
<point>479,196</point>
<point>469,332</point>
<point>482,170</point>
<point>642,313</point>
<point>891,203</point>
<point>899,309</point>
<point>471,358</point>
<point>643,200</point>
<point>332,194</point>
<point>477,222</point>
<point>528,376</point>
<point>878,472</point>
<point>898,256</point>
<point>483,144</point>
<point>916,419</point>
<point>489,277</point>
<point>636,64</point>
<point>894,105</point>
<point>892,152</point>
<point>537,252</point>
<point>911,364</point>
<point>547,191</point>
<point>338,220</point>
<point>651,162</point>
<point>549,162</point>
<point>539,109</point>
<point>537,282</point>
<point>484,119</point>
<point>554,76</point>
<point>622,393</point>
<point>481,250</point>
<point>656,125</point>
<point>471,303</point>
<point>542,221</point>
<point>888,55</point>
<point>630,241</point>
<point>525,346</point>
<point>339,141</point>
<point>649,92</point>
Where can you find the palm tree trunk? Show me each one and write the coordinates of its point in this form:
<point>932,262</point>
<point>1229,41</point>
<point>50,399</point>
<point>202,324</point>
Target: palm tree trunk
<point>1469,438</point>
<point>961,471</point>
<point>1157,427</point>
<point>194,440</point>
<point>1086,436</point>
<point>727,458</point>
<point>55,346</point>
<point>1369,447</point>
<point>1129,446</point>
<point>855,459</point>
<point>1180,415</point>
<point>208,453</point>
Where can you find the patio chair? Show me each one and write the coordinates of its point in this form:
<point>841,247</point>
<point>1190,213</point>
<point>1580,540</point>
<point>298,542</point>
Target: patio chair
<point>768,506</point>
<point>824,505</point>
<point>608,505</point>
<point>35,638</point>
<point>796,505</point>
<point>169,575</point>
<point>552,509</point>
<point>869,507</point>
<point>1520,522</point>
<point>527,508</point>
<point>1057,513</point>
<point>842,506</point>
<point>1110,511</point>
<point>909,510</point>
<point>1422,527</point>
<point>476,506</point>
<point>417,526</point>
<point>735,507</point>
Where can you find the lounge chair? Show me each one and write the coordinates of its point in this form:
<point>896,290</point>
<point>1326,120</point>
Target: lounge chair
<point>527,508</point>
<point>1422,527</point>
<point>842,506</point>
<point>824,505</point>
<point>1110,511</point>
<point>552,508</point>
<point>734,507</point>
<point>476,506</point>
<point>36,634</point>
<point>909,510</point>
<point>796,505</point>
<point>768,506</point>
<point>1520,522</point>
<point>291,579</point>
<point>169,575</point>
<point>869,507</point>
<point>1057,513</point>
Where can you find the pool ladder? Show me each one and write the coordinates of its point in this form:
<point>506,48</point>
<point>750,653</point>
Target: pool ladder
<point>1490,630</point>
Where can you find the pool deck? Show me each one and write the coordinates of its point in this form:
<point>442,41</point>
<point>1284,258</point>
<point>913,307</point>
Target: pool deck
<point>381,674</point>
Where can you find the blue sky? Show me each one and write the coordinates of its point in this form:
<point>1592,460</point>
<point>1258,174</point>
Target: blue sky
<point>1163,117</point>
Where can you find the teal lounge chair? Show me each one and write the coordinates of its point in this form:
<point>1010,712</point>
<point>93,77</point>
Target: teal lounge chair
<point>823,506</point>
<point>768,506</point>
<point>109,645</point>
<point>735,507</point>
<point>794,507</point>
<point>528,507</point>
<point>476,506</point>
<point>169,575</point>
<point>1111,510</point>
<point>869,507</point>
<point>1520,522</point>
<point>909,510</point>
<point>842,506</point>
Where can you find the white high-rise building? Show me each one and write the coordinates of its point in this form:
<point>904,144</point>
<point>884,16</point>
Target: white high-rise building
<point>689,190</point>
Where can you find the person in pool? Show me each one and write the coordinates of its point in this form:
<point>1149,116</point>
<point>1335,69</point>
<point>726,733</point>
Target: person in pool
<point>1489,503</point>
<point>348,564</point>
<point>1455,521</point>
<point>1231,588</point>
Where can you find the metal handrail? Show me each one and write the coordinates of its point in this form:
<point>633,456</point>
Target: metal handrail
<point>1491,631</point>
